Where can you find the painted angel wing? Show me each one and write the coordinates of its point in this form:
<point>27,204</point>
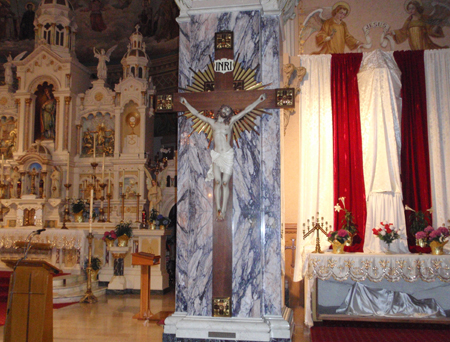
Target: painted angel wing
<point>439,12</point>
<point>110,50</point>
<point>20,55</point>
<point>313,23</point>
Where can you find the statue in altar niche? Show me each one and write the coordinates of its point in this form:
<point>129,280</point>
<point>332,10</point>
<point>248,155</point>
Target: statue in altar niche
<point>56,183</point>
<point>222,155</point>
<point>48,115</point>
<point>15,180</point>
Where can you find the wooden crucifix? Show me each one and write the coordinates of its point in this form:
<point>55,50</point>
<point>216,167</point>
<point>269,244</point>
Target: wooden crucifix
<point>223,90</point>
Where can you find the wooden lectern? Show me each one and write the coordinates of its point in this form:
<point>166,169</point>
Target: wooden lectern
<point>145,260</point>
<point>29,316</point>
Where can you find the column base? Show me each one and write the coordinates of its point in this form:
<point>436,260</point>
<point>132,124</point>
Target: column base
<point>183,328</point>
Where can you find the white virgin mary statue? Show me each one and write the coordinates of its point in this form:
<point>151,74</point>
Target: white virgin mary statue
<point>379,86</point>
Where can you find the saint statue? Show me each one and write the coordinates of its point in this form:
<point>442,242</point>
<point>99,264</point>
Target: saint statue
<point>56,181</point>
<point>48,115</point>
<point>15,179</point>
<point>222,155</point>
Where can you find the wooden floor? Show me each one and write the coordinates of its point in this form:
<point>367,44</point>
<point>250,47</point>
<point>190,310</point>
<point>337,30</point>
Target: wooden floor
<point>110,320</point>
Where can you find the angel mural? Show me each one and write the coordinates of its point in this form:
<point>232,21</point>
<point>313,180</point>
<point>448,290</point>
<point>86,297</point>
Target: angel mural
<point>333,35</point>
<point>102,70</point>
<point>419,27</point>
<point>222,155</point>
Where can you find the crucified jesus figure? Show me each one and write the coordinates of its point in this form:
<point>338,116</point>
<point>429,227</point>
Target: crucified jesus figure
<point>222,155</point>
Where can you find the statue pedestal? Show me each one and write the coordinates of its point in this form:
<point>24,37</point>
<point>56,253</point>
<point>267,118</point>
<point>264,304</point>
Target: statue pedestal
<point>118,281</point>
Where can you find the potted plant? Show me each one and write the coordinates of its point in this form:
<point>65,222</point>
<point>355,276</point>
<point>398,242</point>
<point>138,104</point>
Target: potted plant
<point>348,221</point>
<point>124,232</point>
<point>109,238</point>
<point>436,239</point>
<point>162,222</point>
<point>78,208</point>
<point>96,265</point>
<point>338,240</point>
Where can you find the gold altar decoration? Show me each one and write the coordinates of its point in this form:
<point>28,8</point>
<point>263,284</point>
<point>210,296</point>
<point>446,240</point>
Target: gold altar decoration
<point>222,307</point>
<point>338,248</point>
<point>109,242</point>
<point>133,119</point>
<point>316,227</point>
<point>437,248</point>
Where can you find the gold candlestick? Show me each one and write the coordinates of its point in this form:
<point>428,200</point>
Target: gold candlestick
<point>102,198</point>
<point>317,227</point>
<point>108,196</point>
<point>89,296</point>
<point>137,209</point>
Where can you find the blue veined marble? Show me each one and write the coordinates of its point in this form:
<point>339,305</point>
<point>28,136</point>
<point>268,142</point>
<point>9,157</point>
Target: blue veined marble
<point>271,189</point>
<point>247,298</point>
<point>256,184</point>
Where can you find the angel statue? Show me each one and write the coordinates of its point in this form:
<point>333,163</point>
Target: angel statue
<point>333,35</point>
<point>102,70</point>
<point>9,78</point>
<point>419,27</point>
<point>222,155</point>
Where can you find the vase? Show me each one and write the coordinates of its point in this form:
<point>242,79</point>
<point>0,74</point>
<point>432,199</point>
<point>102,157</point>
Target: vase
<point>78,217</point>
<point>109,242</point>
<point>122,241</point>
<point>338,248</point>
<point>388,248</point>
<point>349,241</point>
<point>94,275</point>
<point>152,226</point>
<point>437,248</point>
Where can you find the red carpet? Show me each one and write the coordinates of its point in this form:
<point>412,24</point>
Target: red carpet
<point>4,286</point>
<point>379,332</point>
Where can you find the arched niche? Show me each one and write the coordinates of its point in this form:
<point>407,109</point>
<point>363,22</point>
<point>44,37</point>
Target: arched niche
<point>101,124</point>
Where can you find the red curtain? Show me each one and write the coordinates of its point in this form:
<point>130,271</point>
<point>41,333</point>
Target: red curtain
<point>415,163</point>
<point>348,162</point>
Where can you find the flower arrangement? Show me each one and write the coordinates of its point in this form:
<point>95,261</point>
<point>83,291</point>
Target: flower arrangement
<point>111,235</point>
<point>124,228</point>
<point>386,233</point>
<point>78,205</point>
<point>341,236</point>
<point>418,220</point>
<point>153,215</point>
<point>429,234</point>
<point>348,221</point>
<point>161,220</point>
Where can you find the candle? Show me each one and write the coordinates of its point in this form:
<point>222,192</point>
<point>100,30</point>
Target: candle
<point>68,166</point>
<point>123,181</point>
<point>90,210</point>
<point>103,168</point>
<point>95,146</point>
<point>109,182</point>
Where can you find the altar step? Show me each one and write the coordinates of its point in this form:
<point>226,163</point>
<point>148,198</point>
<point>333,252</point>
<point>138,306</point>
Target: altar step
<point>71,288</point>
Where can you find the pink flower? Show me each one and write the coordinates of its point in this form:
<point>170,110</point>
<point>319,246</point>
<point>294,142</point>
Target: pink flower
<point>428,229</point>
<point>342,233</point>
<point>435,234</point>
<point>329,234</point>
<point>421,235</point>
<point>444,231</point>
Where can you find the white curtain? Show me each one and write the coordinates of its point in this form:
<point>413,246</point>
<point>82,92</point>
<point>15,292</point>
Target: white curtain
<point>316,153</point>
<point>380,106</point>
<point>437,76</point>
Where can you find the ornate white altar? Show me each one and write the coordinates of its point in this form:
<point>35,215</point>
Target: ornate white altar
<point>411,273</point>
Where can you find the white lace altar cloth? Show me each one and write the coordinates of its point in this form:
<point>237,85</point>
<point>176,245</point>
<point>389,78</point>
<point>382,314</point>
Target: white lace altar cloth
<point>373,267</point>
<point>60,239</point>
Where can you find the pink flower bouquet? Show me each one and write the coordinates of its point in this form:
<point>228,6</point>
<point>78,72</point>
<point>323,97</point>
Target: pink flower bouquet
<point>109,235</point>
<point>429,234</point>
<point>341,236</point>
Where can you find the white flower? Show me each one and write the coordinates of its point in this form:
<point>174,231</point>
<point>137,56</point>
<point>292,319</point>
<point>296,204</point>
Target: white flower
<point>383,233</point>
<point>407,207</point>
<point>337,207</point>
<point>430,210</point>
<point>342,199</point>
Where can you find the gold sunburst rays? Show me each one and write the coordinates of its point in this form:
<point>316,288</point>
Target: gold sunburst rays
<point>200,82</point>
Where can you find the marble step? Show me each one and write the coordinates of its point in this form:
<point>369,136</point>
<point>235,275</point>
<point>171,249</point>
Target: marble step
<point>71,288</point>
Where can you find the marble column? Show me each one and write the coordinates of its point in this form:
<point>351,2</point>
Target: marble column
<point>256,298</point>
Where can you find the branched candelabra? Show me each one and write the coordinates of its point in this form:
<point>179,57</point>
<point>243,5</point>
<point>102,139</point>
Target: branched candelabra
<point>316,227</point>
<point>66,217</point>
